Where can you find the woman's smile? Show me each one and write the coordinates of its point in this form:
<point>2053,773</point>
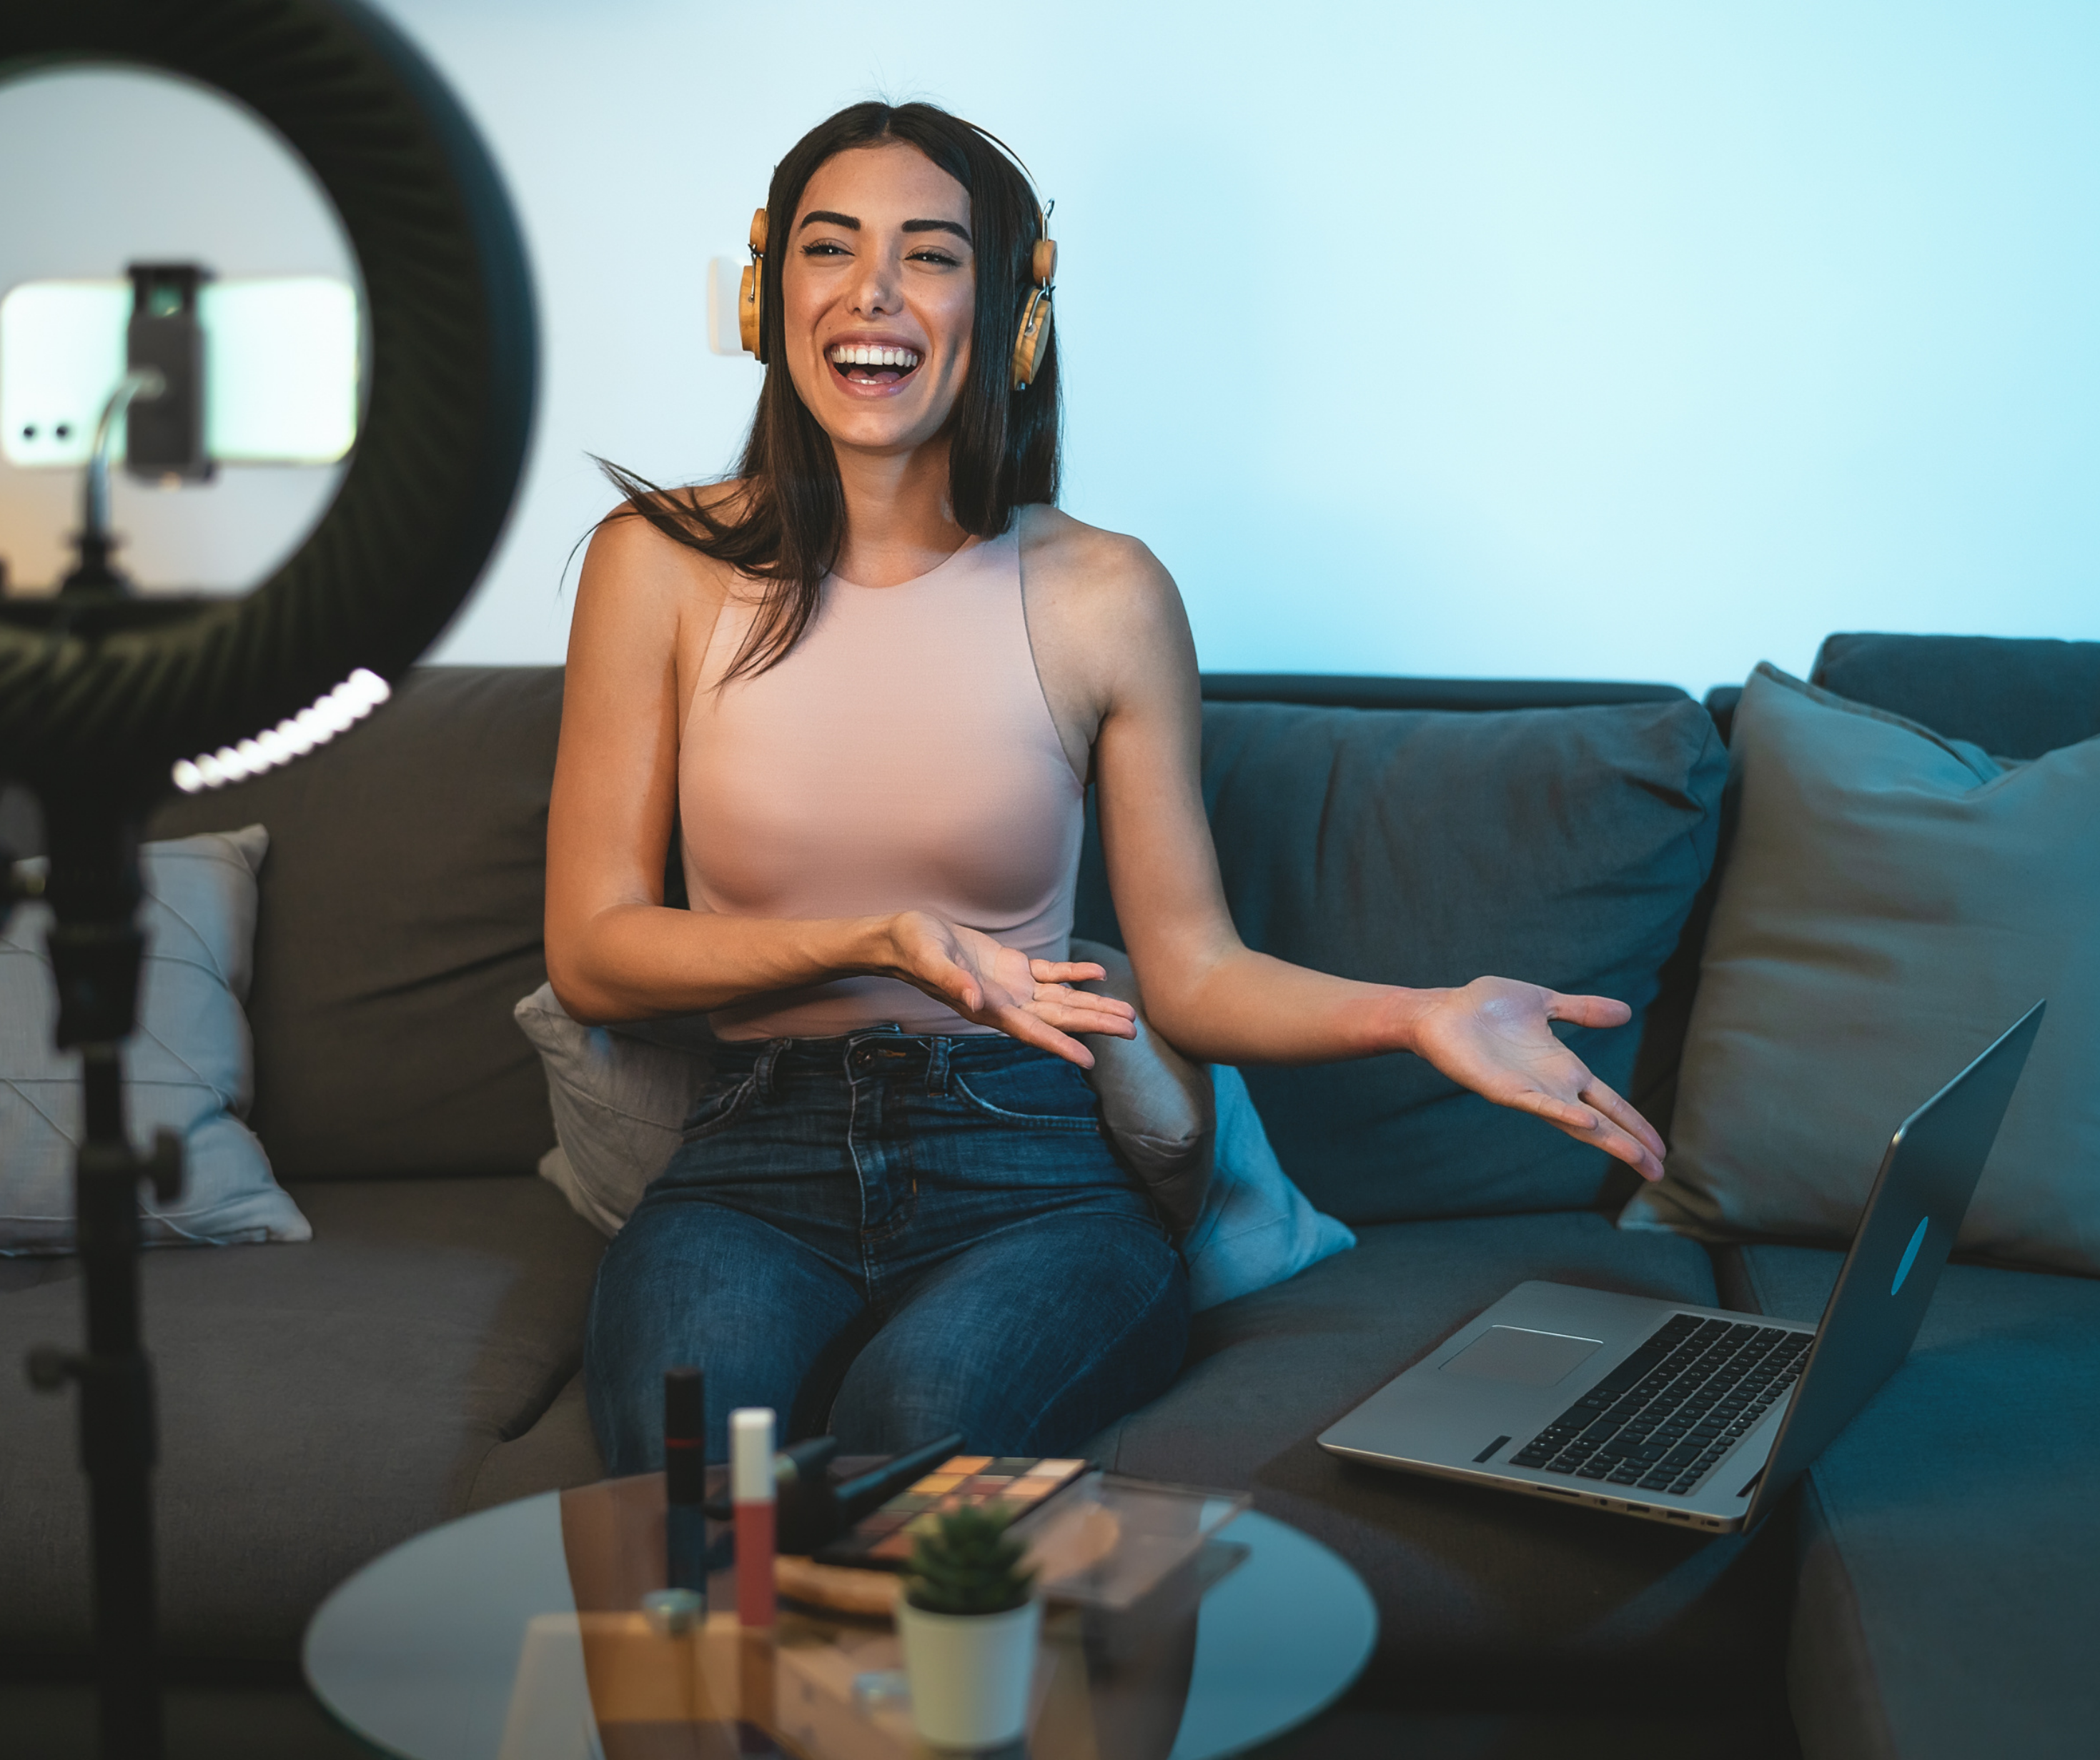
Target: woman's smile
<point>873,363</point>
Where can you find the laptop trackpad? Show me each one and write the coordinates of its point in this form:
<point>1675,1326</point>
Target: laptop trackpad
<point>1516,1353</point>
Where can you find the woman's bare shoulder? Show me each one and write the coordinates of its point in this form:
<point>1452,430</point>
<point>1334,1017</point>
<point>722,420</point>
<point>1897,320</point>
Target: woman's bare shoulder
<point>645,592</point>
<point>1109,582</point>
<point>636,559</point>
<point>1109,610</point>
<point>640,533</point>
<point>1052,539</point>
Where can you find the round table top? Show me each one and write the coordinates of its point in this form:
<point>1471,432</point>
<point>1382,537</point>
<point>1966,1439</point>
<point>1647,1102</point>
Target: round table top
<point>513,1635</point>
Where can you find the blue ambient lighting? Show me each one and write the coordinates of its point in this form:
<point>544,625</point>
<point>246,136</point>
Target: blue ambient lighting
<point>1910,1254</point>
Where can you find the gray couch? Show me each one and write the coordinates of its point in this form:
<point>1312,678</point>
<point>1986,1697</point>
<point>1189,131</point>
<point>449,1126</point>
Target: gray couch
<point>1931,1589</point>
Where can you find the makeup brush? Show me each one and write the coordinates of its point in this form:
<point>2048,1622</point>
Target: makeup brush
<point>810,1511</point>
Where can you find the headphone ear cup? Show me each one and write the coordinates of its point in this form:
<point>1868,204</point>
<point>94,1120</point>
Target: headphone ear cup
<point>751,291</point>
<point>747,312</point>
<point>1034,338</point>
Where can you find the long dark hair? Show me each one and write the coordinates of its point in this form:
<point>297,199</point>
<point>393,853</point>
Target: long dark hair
<point>785,523</point>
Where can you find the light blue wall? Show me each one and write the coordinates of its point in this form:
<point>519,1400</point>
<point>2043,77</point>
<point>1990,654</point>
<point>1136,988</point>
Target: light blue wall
<point>1547,337</point>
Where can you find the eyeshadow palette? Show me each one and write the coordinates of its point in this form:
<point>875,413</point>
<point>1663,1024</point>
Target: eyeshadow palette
<point>1013,1485</point>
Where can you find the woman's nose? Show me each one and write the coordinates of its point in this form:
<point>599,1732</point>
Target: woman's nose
<point>876,290</point>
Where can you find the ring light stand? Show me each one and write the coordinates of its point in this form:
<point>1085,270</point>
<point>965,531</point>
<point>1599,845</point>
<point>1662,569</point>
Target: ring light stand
<point>102,693</point>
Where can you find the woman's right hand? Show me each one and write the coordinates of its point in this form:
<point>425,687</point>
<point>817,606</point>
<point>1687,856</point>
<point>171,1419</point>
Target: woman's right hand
<point>997,986</point>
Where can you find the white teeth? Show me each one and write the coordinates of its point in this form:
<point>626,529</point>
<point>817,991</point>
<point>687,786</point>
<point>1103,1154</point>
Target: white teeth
<point>864,355</point>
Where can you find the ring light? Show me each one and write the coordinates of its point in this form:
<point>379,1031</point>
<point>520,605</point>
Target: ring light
<point>104,695</point>
<point>120,688</point>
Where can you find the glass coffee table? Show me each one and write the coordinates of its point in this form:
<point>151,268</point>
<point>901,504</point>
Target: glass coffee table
<point>516,1635</point>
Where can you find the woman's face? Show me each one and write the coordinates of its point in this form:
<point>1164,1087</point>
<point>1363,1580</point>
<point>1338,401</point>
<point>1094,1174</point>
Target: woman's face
<point>880,282</point>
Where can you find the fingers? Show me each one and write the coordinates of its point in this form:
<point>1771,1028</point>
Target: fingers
<point>1066,971</point>
<point>1586,1011</point>
<point>1076,1018</point>
<point>1623,1114</point>
<point>1054,981</point>
<point>1095,1013</point>
<point>1055,996</point>
<point>1031,1029</point>
<point>1082,1011</point>
<point>1594,1126</point>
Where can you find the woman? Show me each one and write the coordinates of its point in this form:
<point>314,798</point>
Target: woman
<point>869,680</point>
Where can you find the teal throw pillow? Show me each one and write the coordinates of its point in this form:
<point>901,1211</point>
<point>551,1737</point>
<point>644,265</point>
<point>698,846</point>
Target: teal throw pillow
<point>1256,1228</point>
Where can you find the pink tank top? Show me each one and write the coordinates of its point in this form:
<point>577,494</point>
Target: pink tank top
<point>901,757</point>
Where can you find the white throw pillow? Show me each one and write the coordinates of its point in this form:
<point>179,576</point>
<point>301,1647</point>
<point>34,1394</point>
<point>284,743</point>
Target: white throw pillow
<point>190,1067</point>
<point>620,1096</point>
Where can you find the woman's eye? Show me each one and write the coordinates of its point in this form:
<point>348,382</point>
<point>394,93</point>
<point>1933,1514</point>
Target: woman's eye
<point>823,248</point>
<point>940,257</point>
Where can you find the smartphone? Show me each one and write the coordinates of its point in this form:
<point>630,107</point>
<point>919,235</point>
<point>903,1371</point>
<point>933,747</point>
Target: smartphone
<point>282,360</point>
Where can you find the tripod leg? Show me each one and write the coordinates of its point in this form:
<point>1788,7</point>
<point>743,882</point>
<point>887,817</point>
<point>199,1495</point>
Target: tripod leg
<point>116,1421</point>
<point>96,948</point>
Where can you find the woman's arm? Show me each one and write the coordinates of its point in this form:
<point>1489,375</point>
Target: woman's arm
<point>1206,991</point>
<point>645,607</point>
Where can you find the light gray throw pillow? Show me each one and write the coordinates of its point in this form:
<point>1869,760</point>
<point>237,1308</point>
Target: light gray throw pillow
<point>1160,1108</point>
<point>621,1094</point>
<point>1892,901</point>
<point>620,1101</point>
<point>189,1068</point>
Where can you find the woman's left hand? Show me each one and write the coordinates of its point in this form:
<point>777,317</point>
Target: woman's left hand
<point>1492,1036</point>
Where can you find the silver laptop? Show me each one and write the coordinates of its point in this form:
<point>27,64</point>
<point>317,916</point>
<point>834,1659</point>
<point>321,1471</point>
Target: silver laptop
<point>1696,1415</point>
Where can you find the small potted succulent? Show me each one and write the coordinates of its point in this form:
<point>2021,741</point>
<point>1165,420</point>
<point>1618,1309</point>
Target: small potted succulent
<point>969,1619</point>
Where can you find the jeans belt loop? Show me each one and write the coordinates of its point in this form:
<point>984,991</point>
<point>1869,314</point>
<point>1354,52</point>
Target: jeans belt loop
<point>936,1066</point>
<point>762,1075</point>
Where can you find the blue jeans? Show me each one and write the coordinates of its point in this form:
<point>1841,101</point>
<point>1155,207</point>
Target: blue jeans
<point>887,1237</point>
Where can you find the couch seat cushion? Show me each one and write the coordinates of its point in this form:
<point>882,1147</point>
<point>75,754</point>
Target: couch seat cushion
<point>1477,1590</point>
<point>1950,1579</point>
<point>318,1402</point>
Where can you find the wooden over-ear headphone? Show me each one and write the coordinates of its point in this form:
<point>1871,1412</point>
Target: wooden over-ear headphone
<point>750,290</point>
<point>1034,316</point>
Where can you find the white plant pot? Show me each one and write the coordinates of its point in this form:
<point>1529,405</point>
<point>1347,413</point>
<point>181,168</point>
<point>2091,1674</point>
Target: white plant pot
<point>970,1673</point>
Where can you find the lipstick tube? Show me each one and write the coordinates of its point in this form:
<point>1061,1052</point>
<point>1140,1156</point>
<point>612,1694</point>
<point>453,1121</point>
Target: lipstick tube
<point>751,1494</point>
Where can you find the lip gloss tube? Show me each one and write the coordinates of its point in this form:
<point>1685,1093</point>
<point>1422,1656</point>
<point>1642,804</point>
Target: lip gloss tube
<point>751,1492</point>
<point>685,1482</point>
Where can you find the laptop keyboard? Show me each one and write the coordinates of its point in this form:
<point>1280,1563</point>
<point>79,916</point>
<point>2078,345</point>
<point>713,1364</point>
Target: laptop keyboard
<point>1665,1415</point>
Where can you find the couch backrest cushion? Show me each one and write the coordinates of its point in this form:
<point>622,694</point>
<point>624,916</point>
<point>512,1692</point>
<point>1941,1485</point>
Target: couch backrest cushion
<point>2014,698</point>
<point>1563,846</point>
<point>399,921</point>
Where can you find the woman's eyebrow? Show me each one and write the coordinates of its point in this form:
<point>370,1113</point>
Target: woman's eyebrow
<point>962,232</point>
<point>825,217</point>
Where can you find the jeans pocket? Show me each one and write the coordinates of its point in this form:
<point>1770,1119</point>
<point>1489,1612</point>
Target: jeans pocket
<point>719,1104</point>
<point>1043,1092</point>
